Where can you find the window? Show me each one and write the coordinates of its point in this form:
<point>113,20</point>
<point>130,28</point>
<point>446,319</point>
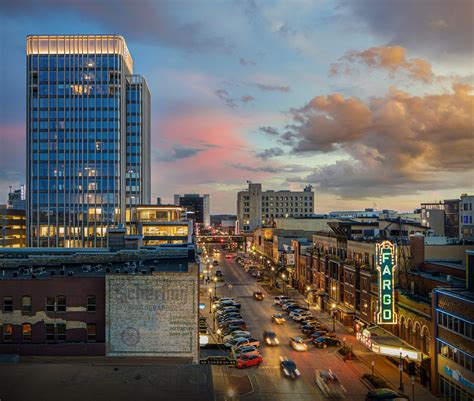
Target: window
<point>91,332</point>
<point>26,304</point>
<point>60,303</point>
<point>49,330</point>
<point>49,304</point>
<point>7,304</point>
<point>26,331</point>
<point>91,303</point>
<point>61,332</point>
<point>7,332</point>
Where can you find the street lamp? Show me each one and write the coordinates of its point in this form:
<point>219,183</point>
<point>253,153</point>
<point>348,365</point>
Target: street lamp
<point>214,307</point>
<point>373,366</point>
<point>333,312</point>
<point>210,294</point>
<point>215,286</point>
<point>308,289</point>
<point>283,276</point>
<point>231,394</point>
<point>412,388</point>
<point>400,367</point>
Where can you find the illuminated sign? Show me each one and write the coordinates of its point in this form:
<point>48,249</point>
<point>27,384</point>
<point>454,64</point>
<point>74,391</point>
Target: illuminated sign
<point>364,338</point>
<point>386,254</point>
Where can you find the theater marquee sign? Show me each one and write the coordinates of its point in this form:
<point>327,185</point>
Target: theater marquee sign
<point>386,255</point>
<point>153,315</point>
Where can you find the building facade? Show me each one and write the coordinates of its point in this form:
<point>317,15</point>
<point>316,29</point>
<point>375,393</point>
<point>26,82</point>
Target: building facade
<point>257,208</point>
<point>199,207</point>
<point>88,135</point>
<point>466,217</point>
<point>12,227</point>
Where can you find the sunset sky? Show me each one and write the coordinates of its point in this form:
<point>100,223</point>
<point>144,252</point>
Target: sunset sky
<point>369,101</point>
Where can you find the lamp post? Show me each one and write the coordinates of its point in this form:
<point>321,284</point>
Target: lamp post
<point>215,286</point>
<point>412,388</point>
<point>333,313</point>
<point>230,290</point>
<point>373,366</point>
<point>308,289</point>
<point>283,276</point>
<point>400,367</point>
<point>210,303</point>
<point>273,275</point>
<point>214,317</point>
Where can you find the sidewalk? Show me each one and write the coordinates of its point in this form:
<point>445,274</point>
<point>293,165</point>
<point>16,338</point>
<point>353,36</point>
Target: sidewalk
<point>383,367</point>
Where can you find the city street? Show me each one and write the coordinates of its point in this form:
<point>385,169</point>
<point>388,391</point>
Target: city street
<point>267,380</point>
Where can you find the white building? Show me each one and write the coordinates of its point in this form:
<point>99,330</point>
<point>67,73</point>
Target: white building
<point>256,208</point>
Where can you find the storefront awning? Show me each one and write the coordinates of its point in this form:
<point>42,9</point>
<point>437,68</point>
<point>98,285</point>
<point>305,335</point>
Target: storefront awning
<point>383,342</point>
<point>345,309</point>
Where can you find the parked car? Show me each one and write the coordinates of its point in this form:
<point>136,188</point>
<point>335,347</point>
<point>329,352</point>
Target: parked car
<point>258,295</point>
<point>231,329</point>
<point>385,394</point>
<point>329,383</point>
<point>246,361</point>
<point>250,341</point>
<point>270,338</point>
<point>235,342</point>
<point>307,329</point>
<point>218,273</point>
<point>288,367</point>
<point>229,304</point>
<point>240,323</point>
<point>278,319</point>
<point>298,344</point>
<point>236,334</point>
<point>320,333</point>
<point>299,316</point>
<point>289,306</point>
<point>277,300</point>
<point>325,341</point>
<point>247,349</point>
<point>215,263</point>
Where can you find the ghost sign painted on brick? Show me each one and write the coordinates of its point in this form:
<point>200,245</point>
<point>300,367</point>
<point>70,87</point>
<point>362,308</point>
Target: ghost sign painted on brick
<point>386,254</point>
<point>152,315</point>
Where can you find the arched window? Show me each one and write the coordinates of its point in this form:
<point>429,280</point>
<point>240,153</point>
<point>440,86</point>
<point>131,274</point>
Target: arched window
<point>425,340</point>
<point>410,331</point>
<point>401,331</point>
<point>417,335</point>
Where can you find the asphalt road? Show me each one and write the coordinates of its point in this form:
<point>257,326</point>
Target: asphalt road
<point>267,380</point>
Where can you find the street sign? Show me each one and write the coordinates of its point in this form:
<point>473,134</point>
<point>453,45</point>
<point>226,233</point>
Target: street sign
<point>386,256</point>
<point>218,360</point>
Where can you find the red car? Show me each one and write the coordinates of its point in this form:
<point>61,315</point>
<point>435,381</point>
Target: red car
<point>248,360</point>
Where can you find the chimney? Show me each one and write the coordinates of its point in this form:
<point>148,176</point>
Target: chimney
<point>417,250</point>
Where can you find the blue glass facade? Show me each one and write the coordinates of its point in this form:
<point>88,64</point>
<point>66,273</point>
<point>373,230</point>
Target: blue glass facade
<point>77,139</point>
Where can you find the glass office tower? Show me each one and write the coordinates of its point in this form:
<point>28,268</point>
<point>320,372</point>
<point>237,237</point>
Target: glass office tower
<point>80,147</point>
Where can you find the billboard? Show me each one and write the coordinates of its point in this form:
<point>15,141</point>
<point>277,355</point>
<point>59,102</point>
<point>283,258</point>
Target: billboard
<point>386,256</point>
<point>290,259</point>
<point>152,315</point>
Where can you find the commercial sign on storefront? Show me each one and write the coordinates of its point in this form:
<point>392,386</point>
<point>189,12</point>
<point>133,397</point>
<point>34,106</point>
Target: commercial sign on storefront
<point>386,256</point>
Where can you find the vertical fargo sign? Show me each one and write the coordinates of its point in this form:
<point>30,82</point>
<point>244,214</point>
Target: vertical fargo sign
<point>386,254</point>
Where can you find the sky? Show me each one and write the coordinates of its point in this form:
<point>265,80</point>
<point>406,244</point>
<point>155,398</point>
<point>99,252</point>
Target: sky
<point>369,101</point>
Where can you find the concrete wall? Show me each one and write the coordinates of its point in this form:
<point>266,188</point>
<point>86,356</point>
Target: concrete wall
<point>303,224</point>
<point>447,252</point>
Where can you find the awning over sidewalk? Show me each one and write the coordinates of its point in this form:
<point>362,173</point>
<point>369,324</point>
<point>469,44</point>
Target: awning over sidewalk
<point>383,342</point>
<point>345,309</point>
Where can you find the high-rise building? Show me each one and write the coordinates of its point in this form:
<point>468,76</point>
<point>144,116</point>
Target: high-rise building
<point>88,138</point>
<point>466,217</point>
<point>197,205</point>
<point>256,207</point>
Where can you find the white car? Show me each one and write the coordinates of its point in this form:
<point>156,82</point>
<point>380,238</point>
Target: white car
<point>297,312</point>
<point>277,300</point>
<point>299,316</point>
<point>235,334</point>
<point>298,344</point>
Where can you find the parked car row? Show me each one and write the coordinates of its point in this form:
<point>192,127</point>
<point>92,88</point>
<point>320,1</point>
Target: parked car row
<point>317,333</point>
<point>235,336</point>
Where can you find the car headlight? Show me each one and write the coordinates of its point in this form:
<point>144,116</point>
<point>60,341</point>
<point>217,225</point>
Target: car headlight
<point>268,341</point>
<point>276,341</point>
<point>297,372</point>
<point>286,372</point>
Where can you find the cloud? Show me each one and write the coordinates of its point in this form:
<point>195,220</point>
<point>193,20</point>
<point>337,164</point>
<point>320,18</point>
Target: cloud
<point>397,144</point>
<point>269,87</point>
<point>290,168</point>
<point>435,27</point>
<point>151,21</point>
<point>246,62</point>
<point>247,98</point>
<point>269,153</point>
<point>179,152</point>
<point>391,58</point>
<point>269,130</point>
<point>225,96</point>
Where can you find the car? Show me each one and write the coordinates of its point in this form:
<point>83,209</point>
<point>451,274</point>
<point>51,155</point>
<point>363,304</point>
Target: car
<point>240,323</point>
<point>215,263</point>
<point>247,349</point>
<point>218,273</point>
<point>385,394</point>
<point>226,310</point>
<point>277,300</point>
<point>235,342</point>
<point>258,295</point>
<point>289,306</point>
<point>248,341</point>
<point>228,304</point>
<point>270,338</point>
<point>236,334</point>
<point>229,256</point>
<point>246,361</point>
<point>320,333</point>
<point>298,316</point>
<point>287,301</point>
<point>288,367</point>
<point>298,344</point>
<point>229,316</point>
<point>325,341</point>
<point>329,384</point>
<point>295,311</point>
<point>307,329</point>
<point>278,319</point>
<point>231,329</point>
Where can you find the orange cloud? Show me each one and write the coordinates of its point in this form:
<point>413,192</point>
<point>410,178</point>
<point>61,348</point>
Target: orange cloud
<point>392,58</point>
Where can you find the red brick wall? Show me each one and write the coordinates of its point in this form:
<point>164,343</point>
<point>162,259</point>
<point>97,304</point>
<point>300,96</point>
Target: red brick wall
<point>76,290</point>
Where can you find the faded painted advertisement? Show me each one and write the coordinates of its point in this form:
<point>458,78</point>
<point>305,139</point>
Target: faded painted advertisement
<point>153,315</point>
